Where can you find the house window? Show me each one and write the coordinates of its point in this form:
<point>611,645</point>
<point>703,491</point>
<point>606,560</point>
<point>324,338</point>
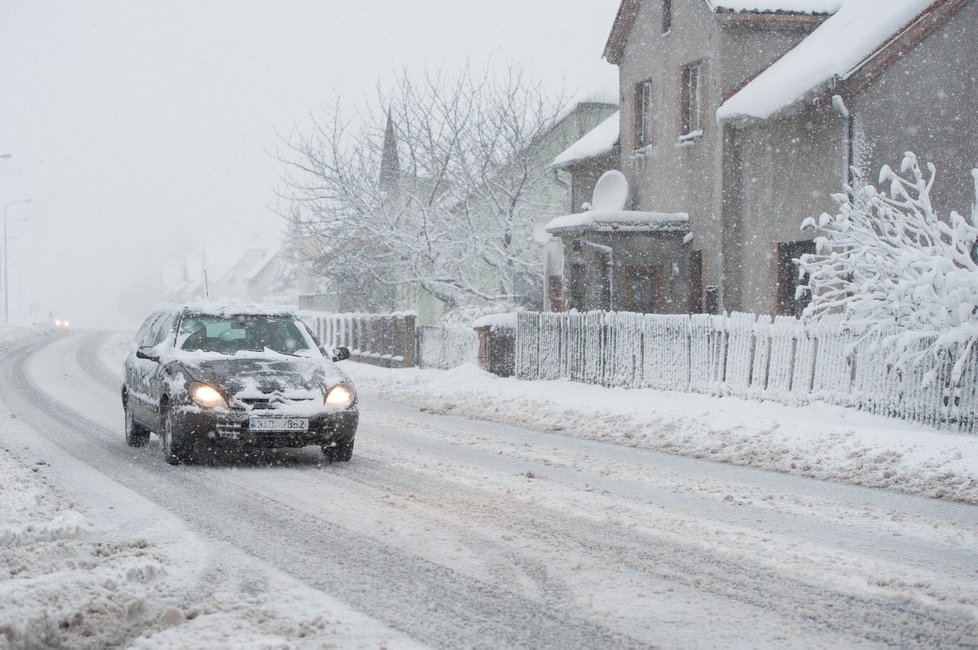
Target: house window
<point>643,114</point>
<point>643,289</point>
<point>666,15</point>
<point>692,122</point>
<point>789,279</point>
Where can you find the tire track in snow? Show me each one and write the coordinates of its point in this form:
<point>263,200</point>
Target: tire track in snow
<point>878,620</point>
<point>805,605</point>
<point>430,602</point>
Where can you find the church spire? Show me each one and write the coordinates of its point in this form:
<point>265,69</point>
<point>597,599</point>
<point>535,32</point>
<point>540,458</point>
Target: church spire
<point>390,166</point>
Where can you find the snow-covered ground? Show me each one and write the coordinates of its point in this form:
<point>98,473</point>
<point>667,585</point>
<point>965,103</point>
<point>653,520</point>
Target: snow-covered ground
<point>662,549</point>
<point>819,440</point>
<point>71,576</point>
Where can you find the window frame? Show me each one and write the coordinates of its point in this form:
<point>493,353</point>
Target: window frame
<point>654,274</point>
<point>644,134</point>
<point>691,121</point>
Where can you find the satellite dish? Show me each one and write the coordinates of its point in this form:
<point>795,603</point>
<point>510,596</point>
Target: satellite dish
<point>610,192</point>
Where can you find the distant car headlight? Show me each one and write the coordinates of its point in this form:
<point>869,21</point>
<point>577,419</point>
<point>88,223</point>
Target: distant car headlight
<point>340,396</point>
<point>207,396</point>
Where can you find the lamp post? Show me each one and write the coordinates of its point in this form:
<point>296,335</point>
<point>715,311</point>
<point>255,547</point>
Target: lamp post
<point>6,220</point>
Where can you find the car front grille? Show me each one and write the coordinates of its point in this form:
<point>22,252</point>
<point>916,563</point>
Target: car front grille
<point>271,403</point>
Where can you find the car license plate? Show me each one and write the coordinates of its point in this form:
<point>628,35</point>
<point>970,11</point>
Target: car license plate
<point>278,424</point>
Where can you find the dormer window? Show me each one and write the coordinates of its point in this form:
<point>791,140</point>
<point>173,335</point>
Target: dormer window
<point>666,15</point>
<point>643,114</point>
<point>692,120</point>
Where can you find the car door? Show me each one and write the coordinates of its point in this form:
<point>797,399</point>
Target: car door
<point>136,370</point>
<point>152,374</point>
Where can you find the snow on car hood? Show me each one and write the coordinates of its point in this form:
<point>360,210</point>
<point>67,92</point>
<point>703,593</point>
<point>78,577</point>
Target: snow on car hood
<point>249,375</point>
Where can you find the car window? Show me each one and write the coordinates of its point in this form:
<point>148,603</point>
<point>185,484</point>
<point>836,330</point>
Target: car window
<point>248,332</point>
<point>144,336</point>
<point>161,328</point>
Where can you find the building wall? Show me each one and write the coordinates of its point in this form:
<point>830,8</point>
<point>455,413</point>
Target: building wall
<point>788,170</point>
<point>584,174</point>
<point>663,251</point>
<point>674,176</point>
<point>925,102</point>
<point>784,170</point>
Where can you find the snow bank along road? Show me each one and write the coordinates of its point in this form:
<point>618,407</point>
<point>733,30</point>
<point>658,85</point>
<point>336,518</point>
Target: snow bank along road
<point>443,532</point>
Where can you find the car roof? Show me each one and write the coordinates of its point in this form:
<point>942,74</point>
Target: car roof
<point>225,309</point>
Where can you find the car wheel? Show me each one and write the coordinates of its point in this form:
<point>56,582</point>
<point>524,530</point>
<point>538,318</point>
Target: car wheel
<point>341,453</point>
<point>176,447</point>
<point>136,435</point>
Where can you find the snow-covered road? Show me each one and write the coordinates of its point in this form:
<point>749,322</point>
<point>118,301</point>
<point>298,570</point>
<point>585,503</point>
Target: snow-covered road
<point>443,532</point>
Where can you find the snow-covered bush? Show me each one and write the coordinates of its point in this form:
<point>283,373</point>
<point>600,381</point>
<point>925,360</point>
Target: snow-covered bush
<point>895,269</point>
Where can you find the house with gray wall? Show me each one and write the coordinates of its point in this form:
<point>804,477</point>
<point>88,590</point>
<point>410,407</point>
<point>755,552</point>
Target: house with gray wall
<point>748,115</point>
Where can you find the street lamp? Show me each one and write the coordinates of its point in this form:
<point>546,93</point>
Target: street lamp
<point>6,220</point>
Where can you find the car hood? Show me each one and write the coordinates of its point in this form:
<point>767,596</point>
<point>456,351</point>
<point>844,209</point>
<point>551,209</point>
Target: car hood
<point>242,376</point>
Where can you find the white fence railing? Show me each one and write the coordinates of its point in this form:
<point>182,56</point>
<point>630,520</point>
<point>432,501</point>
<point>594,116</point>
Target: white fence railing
<point>446,348</point>
<point>747,356</point>
<point>379,339</point>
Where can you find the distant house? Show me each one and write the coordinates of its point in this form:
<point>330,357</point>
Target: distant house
<point>256,273</point>
<point>745,116</point>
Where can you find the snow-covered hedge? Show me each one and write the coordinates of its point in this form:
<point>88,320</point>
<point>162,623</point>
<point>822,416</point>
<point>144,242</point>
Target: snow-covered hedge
<point>899,272</point>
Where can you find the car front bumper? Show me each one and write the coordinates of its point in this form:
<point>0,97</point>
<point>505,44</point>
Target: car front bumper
<point>230,427</point>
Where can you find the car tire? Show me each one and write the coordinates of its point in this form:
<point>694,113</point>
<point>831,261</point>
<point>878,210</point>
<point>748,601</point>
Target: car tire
<point>136,435</point>
<point>341,453</point>
<point>176,446</point>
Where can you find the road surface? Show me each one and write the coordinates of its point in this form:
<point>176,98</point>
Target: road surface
<point>445,532</point>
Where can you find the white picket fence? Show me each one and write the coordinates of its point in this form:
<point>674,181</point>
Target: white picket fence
<point>379,339</point>
<point>744,355</point>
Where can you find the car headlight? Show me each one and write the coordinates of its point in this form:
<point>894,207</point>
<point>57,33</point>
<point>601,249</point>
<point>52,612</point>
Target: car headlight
<point>207,396</point>
<point>340,396</point>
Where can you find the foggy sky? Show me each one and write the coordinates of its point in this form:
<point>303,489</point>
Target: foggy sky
<point>144,129</point>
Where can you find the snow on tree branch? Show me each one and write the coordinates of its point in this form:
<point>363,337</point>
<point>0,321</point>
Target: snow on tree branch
<point>435,187</point>
<point>893,267</point>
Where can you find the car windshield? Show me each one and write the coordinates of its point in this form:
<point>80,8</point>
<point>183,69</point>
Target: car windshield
<point>241,333</point>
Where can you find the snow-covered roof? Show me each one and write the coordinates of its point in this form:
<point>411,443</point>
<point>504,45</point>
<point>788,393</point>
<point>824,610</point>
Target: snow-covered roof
<point>265,261</point>
<point>619,221</point>
<point>628,10</point>
<point>830,53</point>
<point>600,87</point>
<point>221,258</point>
<point>599,140</point>
<point>776,6</point>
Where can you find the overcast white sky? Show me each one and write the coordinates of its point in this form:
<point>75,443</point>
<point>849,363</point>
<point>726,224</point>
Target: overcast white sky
<point>143,129</point>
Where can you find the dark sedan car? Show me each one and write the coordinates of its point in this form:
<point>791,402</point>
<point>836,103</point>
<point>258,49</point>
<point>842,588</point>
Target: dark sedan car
<point>212,376</point>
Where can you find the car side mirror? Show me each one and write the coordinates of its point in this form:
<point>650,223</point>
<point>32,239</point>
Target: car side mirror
<point>147,353</point>
<point>340,353</point>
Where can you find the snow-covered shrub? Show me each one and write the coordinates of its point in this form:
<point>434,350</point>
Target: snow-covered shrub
<point>895,269</point>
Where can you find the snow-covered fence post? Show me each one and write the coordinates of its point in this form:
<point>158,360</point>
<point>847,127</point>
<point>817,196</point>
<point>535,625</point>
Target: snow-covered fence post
<point>803,371</point>
<point>833,372</point>
<point>700,372</point>
<point>761,363</point>
<point>527,346</point>
<point>717,334</point>
<point>781,363</point>
<point>739,353</point>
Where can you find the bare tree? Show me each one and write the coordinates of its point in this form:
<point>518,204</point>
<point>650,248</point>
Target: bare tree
<point>895,268</point>
<point>435,187</point>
